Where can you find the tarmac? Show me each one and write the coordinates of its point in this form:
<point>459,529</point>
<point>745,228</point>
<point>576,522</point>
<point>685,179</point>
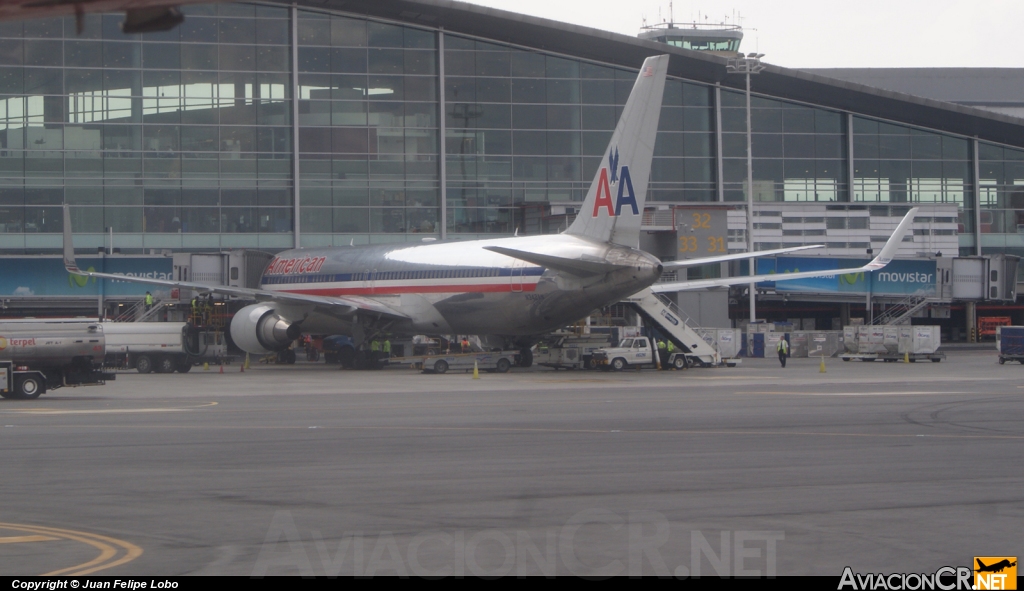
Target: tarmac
<point>312,470</point>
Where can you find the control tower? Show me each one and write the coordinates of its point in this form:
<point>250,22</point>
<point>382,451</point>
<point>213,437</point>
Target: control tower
<point>720,38</point>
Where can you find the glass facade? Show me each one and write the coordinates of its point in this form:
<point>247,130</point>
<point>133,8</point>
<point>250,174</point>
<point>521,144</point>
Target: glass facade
<point>187,139</point>
<point>798,151</point>
<point>1001,197</point>
<point>177,139</point>
<point>898,164</point>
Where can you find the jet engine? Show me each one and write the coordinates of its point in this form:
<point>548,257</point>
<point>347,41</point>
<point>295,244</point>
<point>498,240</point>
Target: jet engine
<point>260,329</point>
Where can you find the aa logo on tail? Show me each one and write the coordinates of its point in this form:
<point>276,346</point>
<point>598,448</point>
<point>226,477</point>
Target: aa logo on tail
<point>620,177</point>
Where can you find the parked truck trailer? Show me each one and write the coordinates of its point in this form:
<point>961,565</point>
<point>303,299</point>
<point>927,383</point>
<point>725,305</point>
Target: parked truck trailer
<point>161,347</point>
<point>41,355</point>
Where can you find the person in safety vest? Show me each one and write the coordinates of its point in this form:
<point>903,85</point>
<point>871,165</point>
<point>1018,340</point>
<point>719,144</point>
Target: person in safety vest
<point>662,357</point>
<point>374,352</point>
<point>670,348</point>
<point>783,349</point>
<point>149,301</point>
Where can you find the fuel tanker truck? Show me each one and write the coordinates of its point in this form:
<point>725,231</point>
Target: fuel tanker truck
<point>41,355</point>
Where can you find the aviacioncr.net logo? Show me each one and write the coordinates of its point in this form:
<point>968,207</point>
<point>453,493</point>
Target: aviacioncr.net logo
<point>81,280</point>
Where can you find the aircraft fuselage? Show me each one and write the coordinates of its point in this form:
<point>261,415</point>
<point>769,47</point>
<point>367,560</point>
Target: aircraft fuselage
<point>459,287</point>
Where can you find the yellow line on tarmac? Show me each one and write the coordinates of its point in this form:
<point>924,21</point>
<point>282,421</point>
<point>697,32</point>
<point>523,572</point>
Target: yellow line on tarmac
<point>23,539</point>
<point>108,547</point>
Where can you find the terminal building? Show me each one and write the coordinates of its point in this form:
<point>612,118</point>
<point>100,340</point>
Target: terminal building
<point>271,126</point>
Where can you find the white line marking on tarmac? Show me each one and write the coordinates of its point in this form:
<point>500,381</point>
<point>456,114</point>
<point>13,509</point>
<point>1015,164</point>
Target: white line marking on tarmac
<point>110,411</point>
<point>895,393</point>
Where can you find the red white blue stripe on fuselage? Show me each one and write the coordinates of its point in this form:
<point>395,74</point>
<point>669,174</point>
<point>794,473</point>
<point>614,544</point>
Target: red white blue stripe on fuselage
<point>465,280</point>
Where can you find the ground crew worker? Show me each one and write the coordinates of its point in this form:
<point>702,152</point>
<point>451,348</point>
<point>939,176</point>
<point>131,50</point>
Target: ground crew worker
<point>387,349</point>
<point>465,345</point>
<point>783,349</point>
<point>670,348</point>
<point>661,353</point>
<point>208,308</point>
<point>149,301</point>
<point>195,310</point>
<point>374,351</point>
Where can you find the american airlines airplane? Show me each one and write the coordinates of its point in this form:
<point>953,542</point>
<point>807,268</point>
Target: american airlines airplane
<point>510,291</point>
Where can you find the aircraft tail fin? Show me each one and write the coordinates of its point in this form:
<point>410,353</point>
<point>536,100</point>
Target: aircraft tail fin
<point>614,205</point>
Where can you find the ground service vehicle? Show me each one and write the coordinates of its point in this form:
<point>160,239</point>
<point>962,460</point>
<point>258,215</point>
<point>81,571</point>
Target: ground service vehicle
<point>491,361</point>
<point>570,351</point>
<point>635,352</point>
<point>41,355</point>
<point>161,347</point>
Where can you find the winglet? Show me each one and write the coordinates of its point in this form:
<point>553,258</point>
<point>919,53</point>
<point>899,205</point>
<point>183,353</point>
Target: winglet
<point>69,246</point>
<point>893,243</point>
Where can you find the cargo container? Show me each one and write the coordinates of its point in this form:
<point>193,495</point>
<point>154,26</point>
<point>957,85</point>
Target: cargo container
<point>798,344</point>
<point>891,339</point>
<point>914,343</point>
<point>850,339</point>
<point>1010,343</point>
<point>870,339</point>
<point>823,343</point>
<point>730,341</point>
<point>921,340</point>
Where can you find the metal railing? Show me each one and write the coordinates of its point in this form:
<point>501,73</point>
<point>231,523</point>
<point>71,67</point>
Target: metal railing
<point>901,311</point>
<point>708,336</point>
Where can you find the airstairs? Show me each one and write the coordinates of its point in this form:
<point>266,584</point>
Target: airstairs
<point>673,322</point>
<point>138,312</point>
<point>902,311</point>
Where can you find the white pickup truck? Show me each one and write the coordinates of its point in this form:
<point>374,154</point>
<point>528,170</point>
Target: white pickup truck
<point>635,352</point>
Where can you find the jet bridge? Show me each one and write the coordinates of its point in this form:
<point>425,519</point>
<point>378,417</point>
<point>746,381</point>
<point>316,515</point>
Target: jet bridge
<point>660,312</point>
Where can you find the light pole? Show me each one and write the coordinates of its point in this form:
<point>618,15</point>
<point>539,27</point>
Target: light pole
<point>751,64</point>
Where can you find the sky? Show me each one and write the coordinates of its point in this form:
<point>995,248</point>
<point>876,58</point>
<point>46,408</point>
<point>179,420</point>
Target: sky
<point>824,33</point>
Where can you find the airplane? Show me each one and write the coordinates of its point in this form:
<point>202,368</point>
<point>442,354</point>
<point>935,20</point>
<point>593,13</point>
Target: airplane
<point>509,291</point>
<point>994,568</point>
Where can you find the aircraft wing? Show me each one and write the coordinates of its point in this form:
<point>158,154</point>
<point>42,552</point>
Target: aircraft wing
<point>880,261</point>
<point>335,306</point>
<point>669,265</point>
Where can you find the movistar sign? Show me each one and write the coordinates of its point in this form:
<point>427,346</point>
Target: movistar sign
<point>913,277</point>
